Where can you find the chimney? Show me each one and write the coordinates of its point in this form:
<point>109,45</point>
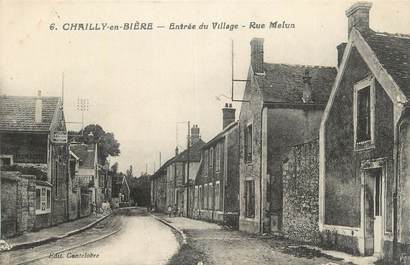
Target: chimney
<point>340,51</point>
<point>38,112</point>
<point>176,151</point>
<point>307,88</point>
<point>257,56</point>
<point>228,115</point>
<point>358,16</point>
<point>195,136</point>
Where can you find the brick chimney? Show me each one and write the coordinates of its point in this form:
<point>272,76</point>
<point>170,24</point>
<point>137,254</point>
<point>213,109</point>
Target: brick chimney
<point>340,51</point>
<point>307,88</point>
<point>195,136</point>
<point>228,115</point>
<point>358,16</point>
<point>257,55</point>
<point>38,112</point>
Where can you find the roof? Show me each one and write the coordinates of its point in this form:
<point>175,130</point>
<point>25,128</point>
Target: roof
<point>163,167</point>
<point>220,135</point>
<point>284,83</point>
<point>393,52</point>
<point>17,113</point>
<point>86,153</point>
<point>194,153</point>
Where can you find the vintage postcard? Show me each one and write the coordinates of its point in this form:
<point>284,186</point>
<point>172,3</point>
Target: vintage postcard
<point>205,132</point>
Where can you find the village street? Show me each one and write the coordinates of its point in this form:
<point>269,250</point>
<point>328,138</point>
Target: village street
<point>131,236</point>
<point>140,240</point>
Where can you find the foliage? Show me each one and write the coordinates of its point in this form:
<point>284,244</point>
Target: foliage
<point>107,144</point>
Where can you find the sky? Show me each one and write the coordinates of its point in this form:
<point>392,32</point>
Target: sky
<point>144,85</point>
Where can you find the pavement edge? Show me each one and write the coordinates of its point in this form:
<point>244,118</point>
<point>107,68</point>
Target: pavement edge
<point>55,238</point>
<point>179,231</point>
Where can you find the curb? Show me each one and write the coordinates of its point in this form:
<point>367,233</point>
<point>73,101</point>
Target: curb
<point>179,231</point>
<point>55,238</point>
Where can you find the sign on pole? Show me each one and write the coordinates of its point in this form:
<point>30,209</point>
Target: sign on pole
<point>59,137</point>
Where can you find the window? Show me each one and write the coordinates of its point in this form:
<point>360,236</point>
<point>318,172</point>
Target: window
<point>206,196</point>
<point>210,196</point>
<point>196,205</point>
<point>218,157</point>
<point>6,160</point>
<point>201,198</point>
<point>250,198</point>
<point>217,194</point>
<point>206,162</point>
<point>248,143</point>
<point>211,158</point>
<point>364,113</point>
<point>43,200</point>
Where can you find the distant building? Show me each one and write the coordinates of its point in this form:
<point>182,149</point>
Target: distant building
<point>283,106</point>
<point>181,175</point>
<point>365,143</point>
<point>159,188</point>
<point>217,182</point>
<point>33,141</point>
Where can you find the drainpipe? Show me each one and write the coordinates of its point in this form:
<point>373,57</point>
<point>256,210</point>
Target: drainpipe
<point>261,219</point>
<point>396,189</point>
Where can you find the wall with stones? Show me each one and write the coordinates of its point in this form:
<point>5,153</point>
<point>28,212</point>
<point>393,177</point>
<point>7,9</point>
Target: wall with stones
<point>301,193</point>
<point>17,203</point>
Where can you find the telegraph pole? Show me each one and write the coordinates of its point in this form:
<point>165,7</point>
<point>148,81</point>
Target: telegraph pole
<point>188,155</point>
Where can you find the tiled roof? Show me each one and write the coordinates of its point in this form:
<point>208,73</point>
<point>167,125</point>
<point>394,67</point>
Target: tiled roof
<point>86,153</point>
<point>284,83</point>
<point>162,168</point>
<point>393,52</point>
<point>17,113</point>
<point>219,135</point>
<point>194,153</point>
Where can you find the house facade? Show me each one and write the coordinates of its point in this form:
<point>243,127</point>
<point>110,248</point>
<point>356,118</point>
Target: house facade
<point>364,143</point>
<point>159,188</point>
<point>217,182</point>
<point>33,141</point>
<point>282,106</point>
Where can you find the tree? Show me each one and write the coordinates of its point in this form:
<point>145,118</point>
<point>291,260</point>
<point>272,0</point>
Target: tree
<point>107,144</point>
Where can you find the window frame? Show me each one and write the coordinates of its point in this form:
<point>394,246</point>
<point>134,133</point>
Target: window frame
<point>10,157</point>
<point>44,198</point>
<point>218,157</point>
<point>248,214</point>
<point>217,192</point>
<point>248,143</point>
<point>368,82</point>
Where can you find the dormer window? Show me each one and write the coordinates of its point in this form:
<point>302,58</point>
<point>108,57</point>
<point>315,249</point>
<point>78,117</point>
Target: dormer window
<point>364,99</point>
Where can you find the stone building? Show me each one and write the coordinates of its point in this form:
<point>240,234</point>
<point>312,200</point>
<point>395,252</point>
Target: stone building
<point>183,170</point>
<point>364,143</point>
<point>33,139</point>
<point>283,106</point>
<point>217,182</point>
<point>91,175</point>
<point>159,188</point>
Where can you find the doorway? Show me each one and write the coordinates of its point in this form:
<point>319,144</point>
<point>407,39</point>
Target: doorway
<point>373,216</point>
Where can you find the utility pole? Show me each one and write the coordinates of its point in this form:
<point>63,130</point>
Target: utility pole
<point>187,171</point>
<point>82,105</point>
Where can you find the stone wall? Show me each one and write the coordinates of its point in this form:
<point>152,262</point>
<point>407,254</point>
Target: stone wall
<point>301,193</point>
<point>18,203</point>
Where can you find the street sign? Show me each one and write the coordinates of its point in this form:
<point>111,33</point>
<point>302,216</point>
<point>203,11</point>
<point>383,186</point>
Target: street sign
<point>59,137</point>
